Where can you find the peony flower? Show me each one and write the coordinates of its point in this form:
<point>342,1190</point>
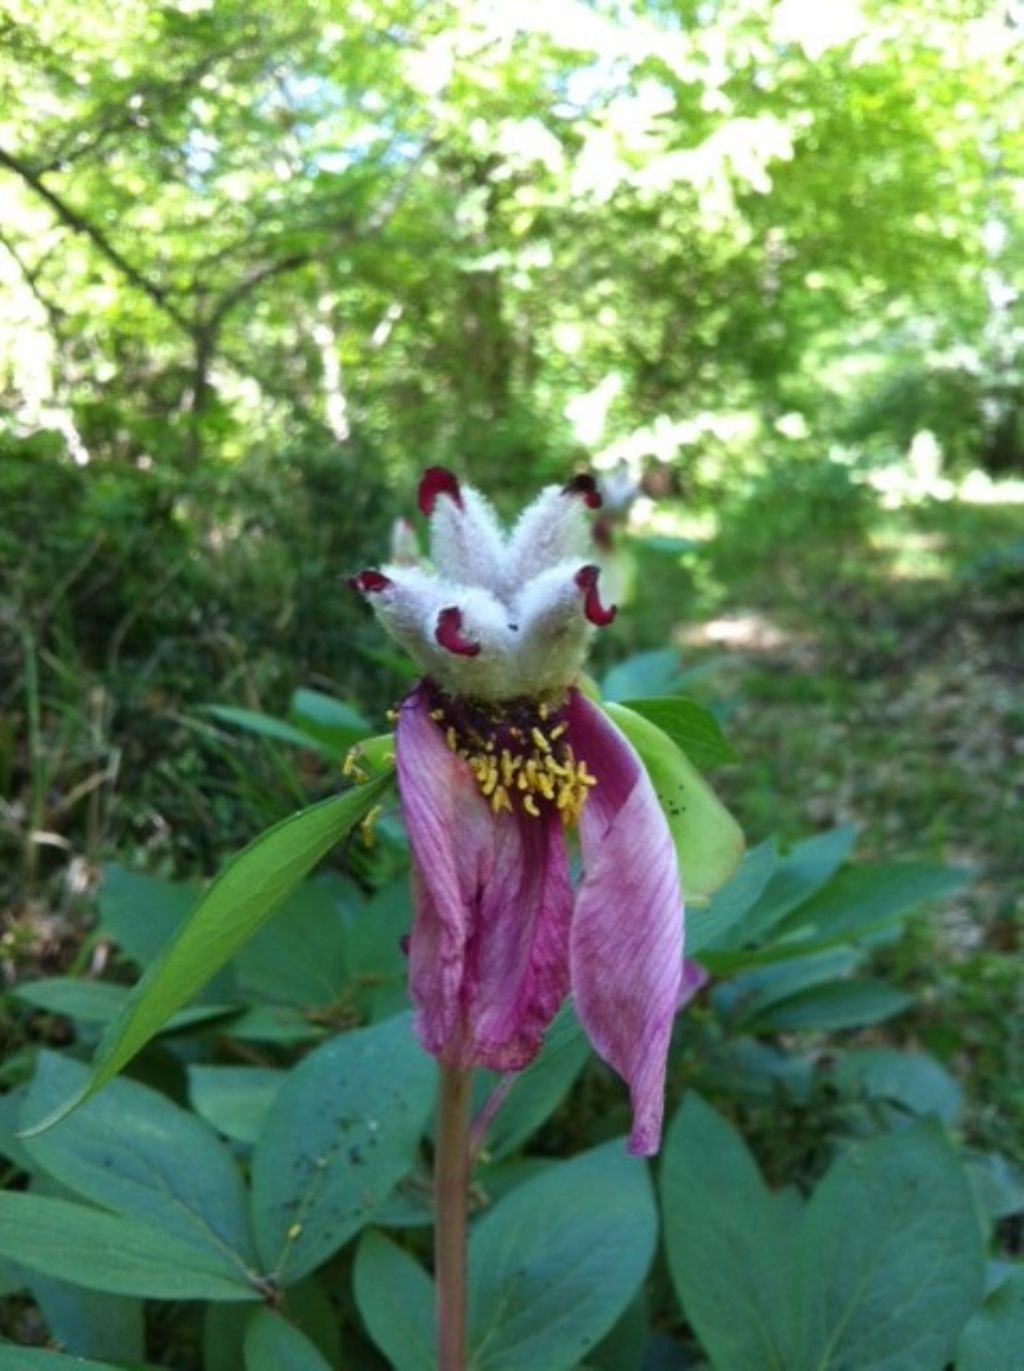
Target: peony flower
<point>500,758</point>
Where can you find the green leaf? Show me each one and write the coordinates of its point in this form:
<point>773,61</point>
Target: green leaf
<point>274,1023</point>
<point>838,1004</point>
<point>234,907</point>
<point>912,1080</point>
<point>299,957</point>
<point>864,898</point>
<point>993,1337</point>
<point>378,968</point>
<point>728,907</point>
<point>538,1091</point>
<point>395,1298</point>
<point>731,1244</point>
<point>643,675</point>
<point>691,727</point>
<point>42,1359</point>
<point>274,1344</point>
<point>235,1100</point>
<point>709,841</point>
<point>265,726</point>
<point>799,874</point>
<point>335,724</point>
<point>141,912</point>
<point>761,989</point>
<point>99,1002</point>
<point>892,1258</point>
<point>103,1251</point>
<point>555,1263</point>
<point>340,1134</point>
<point>90,1323</point>
<point>134,1152</point>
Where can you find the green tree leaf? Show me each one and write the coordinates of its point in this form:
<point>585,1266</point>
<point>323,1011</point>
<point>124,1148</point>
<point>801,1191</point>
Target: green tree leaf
<point>103,1251</point>
<point>709,841</point>
<point>274,1344</point>
<point>557,1261</point>
<point>237,903</point>
<point>395,1298</point>
<point>691,727</point>
<point>341,1133</point>
<point>134,1152</point>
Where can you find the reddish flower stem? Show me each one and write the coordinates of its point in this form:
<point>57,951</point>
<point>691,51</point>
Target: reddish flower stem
<point>451,1184</point>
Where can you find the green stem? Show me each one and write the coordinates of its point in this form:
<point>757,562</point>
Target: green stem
<point>451,1183</point>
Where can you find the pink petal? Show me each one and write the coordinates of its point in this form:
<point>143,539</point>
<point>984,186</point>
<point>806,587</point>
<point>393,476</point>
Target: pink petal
<point>488,955</point>
<point>626,948</point>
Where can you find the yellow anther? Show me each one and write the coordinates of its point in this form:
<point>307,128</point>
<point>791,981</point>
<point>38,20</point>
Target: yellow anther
<point>437,715</point>
<point>530,805</point>
<point>392,716</point>
<point>546,787</point>
<point>558,731</point>
<point>366,826</point>
<point>351,761</point>
<point>554,767</point>
<point>489,784</point>
<point>522,780</point>
<point>500,800</point>
<point>540,742</point>
<point>489,745</point>
<point>564,798</point>
<point>451,739</point>
<point>543,710</point>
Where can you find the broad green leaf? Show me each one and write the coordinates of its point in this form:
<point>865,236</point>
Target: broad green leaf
<point>376,963</point>
<point>235,1099</point>
<point>299,957</point>
<point>274,1023</point>
<point>759,990</point>
<point>731,1244</point>
<point>623,1348</point>
<point>234,907</point>
<point>41,1359</point>
<point>729,906</point>
<point>691,727</point>
<point>335,724</point>
<point>709,841</point>
<point>912,1080</point>
<point>395,1299</point>
<point>99,1002</point>
<point>274,1344</point>
<point>536,1092</point>
<point>757,1070</point>
<point>556,1262</point>
<point>134,1152</point>
<point>643,675</point>
<point>90,1323</point>
<point>264,725</point>
<point>101,1251</point>
<point>799,874</point>
<point>837,1004</point>
<point>892,1257</point>
<point>141,912</point>
<point>340,1134</point>
<point>993,1338</point>
<point>998,1183</point>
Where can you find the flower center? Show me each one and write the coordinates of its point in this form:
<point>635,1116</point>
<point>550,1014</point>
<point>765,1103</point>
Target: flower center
<point>517,752</point>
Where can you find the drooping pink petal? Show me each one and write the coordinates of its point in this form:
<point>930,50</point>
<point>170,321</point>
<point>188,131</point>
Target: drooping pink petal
<point>695,978</point>
<point>488,954</point>
<point>626,946</point>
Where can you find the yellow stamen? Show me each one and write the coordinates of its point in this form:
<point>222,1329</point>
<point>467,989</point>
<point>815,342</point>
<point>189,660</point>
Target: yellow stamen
<point>557,731</point>
<point>540,742</point>
<point>530,805</point>
<point>366,826</point>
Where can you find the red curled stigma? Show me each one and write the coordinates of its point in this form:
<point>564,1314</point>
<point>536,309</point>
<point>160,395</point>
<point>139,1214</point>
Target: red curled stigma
<point>370,582</point>
<point>437,481</point>
<point>586,579</point>
<point>449,633</point>
<point>585,486</point>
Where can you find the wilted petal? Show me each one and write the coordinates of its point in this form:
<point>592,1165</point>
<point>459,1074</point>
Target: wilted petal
<point>466,542</point>
<point>626,949</point>
<point>488,955</point>
<point>695,978</point>
<point>553,529</point>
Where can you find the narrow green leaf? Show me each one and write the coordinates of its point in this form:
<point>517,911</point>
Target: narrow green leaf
<point>42,1359</point>
<point>298,958</point>
<point>142,912</point>
<point>838,1004</point>
<point>691,727</point>
<point>800,874</point>
<point>731,1244</point>
<point>237,903</point>
<point>264,725</point>
<point>395,1298</point>
<point>274,1344</point>
<point>99,1002</point>
<point>645,674</point>
<point>110,1252</point>
<point>340,1134</point>
<point>134,1152</point>
<point>729,906</point>
<point>335,724</point>
<point>864,898</point>
<point>912,1080</point>
<point>556,1262</point>
<point>709,841</point>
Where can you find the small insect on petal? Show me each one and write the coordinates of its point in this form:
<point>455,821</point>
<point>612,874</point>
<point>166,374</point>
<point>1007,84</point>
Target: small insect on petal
<point>449,633</point>
<point>584,486</point>
<point>437,481</point>
<point>370,582</point>
<point>596,612</point>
